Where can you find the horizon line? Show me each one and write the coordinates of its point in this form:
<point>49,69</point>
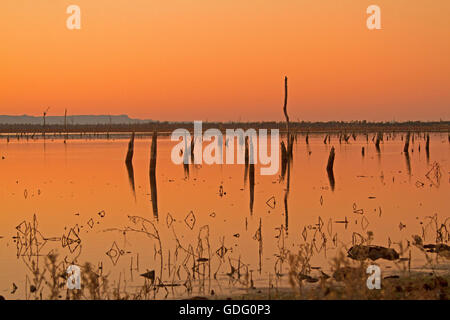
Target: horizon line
<point>220,121</point>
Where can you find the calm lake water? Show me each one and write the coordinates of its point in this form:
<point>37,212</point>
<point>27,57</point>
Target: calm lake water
<point>82,200</point>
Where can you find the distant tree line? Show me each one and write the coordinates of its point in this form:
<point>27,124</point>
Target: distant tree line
<point>166,126</point>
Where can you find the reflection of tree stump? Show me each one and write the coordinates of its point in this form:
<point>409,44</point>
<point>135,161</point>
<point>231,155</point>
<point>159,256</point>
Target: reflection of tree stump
<point>286,152</point>
<point>251,178</point>
<point>290,140</point>
<point>192,149</point>
<point>377,142</point>
<point>284,159</point>
<point>186,157</point>
<point>129,158</point>
<point>406,147</point>
<point>65,125</point>
<point>153,189</point>
<point>330,165</point>
<point>130,171</point>
<point>408,163</point>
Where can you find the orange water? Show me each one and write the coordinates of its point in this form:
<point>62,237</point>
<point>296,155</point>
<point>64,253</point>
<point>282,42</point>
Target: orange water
<point>65,185</point>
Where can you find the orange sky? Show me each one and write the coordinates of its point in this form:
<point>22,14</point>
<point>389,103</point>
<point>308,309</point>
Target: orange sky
<point>225,59</point>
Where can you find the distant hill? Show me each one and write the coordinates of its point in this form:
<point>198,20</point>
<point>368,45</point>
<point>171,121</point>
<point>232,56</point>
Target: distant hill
<point>71,120</point>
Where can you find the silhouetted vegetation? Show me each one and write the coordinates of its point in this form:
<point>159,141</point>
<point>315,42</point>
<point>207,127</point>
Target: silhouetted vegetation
<point>165,127</point>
